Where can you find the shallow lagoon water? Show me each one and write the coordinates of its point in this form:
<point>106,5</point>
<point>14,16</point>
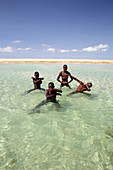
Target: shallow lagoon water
<point>79,135</point>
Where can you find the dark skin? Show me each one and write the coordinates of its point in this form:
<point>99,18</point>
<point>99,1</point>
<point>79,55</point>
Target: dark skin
<point>64,75</point>
<point>37,83</point>
<point>51,94</point>
<point>82,87</point>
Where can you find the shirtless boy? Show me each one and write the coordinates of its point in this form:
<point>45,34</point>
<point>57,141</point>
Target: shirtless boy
<point>64,75</point>
<point>51,94</point>
<point>37,82</point>
<point>82,87</point>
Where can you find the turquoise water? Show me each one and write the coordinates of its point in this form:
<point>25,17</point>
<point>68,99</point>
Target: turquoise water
<point>77,136</point>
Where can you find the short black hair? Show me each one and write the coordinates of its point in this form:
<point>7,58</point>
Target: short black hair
<point>37,73</point>
<point>64,65</point>
<point>90,84</point>
<point>52,84</point>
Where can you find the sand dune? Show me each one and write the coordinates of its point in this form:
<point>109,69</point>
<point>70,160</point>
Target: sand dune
<point>56,61</point>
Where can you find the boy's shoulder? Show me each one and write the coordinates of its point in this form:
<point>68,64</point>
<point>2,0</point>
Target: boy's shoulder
<point>61,72</point>
<point>67,72</point>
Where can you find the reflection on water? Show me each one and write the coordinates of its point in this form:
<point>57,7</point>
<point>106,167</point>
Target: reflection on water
<point>79,135</point>
<point>109,132</point>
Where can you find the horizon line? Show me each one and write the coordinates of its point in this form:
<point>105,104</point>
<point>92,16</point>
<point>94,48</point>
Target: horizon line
<point>93,61</point>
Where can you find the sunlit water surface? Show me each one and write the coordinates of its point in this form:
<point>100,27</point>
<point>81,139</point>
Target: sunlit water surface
<point>77,136</point>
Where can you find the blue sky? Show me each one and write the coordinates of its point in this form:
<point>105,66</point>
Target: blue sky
<point>70,29</point>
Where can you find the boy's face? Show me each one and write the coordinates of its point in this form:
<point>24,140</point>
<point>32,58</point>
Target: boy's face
<point>65,68</point>
<point>89,84</point>
<point>50,86</point>
<point>36,75</point>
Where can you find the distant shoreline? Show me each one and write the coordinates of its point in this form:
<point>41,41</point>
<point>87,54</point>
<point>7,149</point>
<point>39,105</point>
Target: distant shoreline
<point>88,61</point>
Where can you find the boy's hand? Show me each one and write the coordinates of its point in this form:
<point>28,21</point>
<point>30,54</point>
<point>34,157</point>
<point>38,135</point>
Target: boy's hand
<point>51,90</point>
<point>85,83</point>
<point>81,83</point>
<point>42,78</point>
<point>58,94</point>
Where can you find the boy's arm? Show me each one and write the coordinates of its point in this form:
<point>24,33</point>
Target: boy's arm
<point>36,81</point>
<point>77,80</point>
<point>87,87</point>
<point>49,95</point>
<point>58,78</point>
<point>58,90</point>
<point>33,78</point>
<point>42,78</point>
<point>70,78</point>
<point>58,94</point>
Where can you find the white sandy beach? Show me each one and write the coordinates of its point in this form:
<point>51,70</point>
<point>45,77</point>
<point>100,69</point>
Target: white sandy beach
<point>92,61</point>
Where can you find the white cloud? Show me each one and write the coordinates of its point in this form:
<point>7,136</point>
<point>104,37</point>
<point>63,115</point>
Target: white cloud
<point>90,49</point>
<point>16,41</point>
<point>51,49</point>
<point>24,49</point>
<point>101,47</point>
<point>64,51</point>
<point>6,49</point>
<point>45,45</point>
<point>104,49</point>
<point>74,50</point>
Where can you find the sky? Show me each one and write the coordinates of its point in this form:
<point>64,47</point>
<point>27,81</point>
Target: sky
<point>56,29</point>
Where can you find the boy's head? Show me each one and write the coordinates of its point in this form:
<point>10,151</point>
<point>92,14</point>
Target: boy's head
<point>65,67</point>
<point>89,84</point>
<point>51,85</point>
<point>36,74</point>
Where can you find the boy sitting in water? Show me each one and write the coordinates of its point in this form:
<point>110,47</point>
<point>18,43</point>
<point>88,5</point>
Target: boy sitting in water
<point>50,95</point>
<point>51,92</point>
<point>37,82</point>
<point>82,87</point>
